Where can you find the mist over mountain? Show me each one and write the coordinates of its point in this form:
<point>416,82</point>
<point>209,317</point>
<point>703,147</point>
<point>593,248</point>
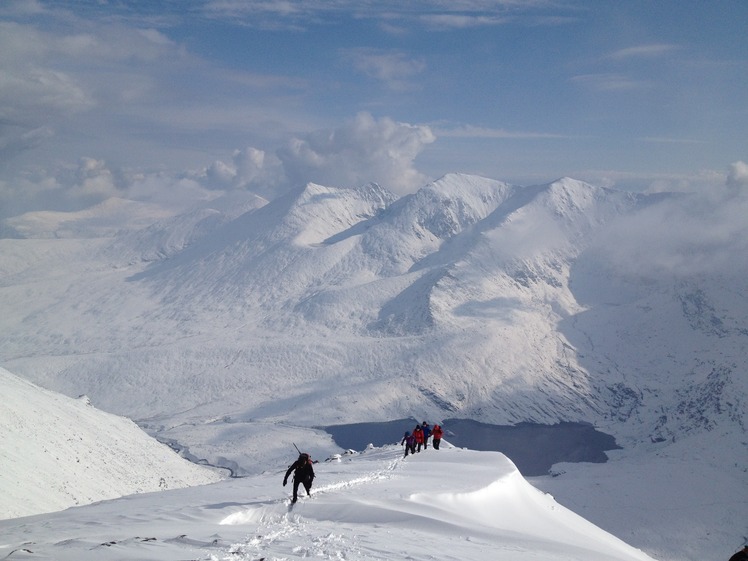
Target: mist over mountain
<point>470,298</point>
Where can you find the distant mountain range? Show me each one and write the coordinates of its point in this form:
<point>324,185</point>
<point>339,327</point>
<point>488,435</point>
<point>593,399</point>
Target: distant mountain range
<point>470,298</point>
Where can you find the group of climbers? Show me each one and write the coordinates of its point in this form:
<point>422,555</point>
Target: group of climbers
<point>303,470</point>
<point>419,438</point>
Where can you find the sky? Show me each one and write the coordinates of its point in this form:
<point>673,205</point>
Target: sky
<point>177,99</point>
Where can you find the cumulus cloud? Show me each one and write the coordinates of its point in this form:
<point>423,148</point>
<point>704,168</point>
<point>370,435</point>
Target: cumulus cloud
<point>73,188</point>
<point>250,168</point>
<point>220,174</point>
<point>738,175</point>
<point>67,189</point>
<point>363,150</point>
<point>93,180</point>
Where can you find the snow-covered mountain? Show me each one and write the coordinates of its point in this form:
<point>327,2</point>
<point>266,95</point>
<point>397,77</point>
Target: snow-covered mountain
<point>59,452</point>
<point>235,330</point>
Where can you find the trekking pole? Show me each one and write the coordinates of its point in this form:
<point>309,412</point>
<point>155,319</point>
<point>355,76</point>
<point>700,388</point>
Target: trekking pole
<point>297,448</point>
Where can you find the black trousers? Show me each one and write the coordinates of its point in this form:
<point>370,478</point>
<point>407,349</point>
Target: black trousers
<point>307,485</point>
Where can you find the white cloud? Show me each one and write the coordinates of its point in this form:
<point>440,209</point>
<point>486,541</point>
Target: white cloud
<point>653,182</point>
<point>220,174</point>
<point>20,8</point>
<point>171,192</point>
<point>18,138</point>
<point>72,188</point>
<point>94,180</point>
<point>42,89</point>
<point>107,88</point>
<point>242,8</point>
<point>680,236</point>
<point>25,45</point>
<point>249,168</point>
<point>33,95</point>
<point>609,82</point>
<point>460,21</point>
<point>643,51</point>
<point>52,77</point>
<point>472,131</point>
<point>67,189</point>
<point>738,175</point>
<point>249,164</point>
<point>398,16</point>
<point>395,69</point>
<point>363,150</point>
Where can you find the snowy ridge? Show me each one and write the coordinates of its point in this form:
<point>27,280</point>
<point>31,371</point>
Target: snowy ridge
<point>450,504</point>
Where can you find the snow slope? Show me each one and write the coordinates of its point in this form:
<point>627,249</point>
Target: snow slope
<point>447,504</point>
<point>59,452</point>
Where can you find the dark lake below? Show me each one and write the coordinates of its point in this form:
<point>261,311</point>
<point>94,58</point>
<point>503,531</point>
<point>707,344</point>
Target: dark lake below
<point>533,448</point>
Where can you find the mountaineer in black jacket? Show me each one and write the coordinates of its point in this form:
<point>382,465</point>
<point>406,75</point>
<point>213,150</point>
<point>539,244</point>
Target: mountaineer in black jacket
<point>303,474</point>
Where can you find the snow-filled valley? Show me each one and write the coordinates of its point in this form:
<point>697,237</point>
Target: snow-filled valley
<point>237,329</point>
